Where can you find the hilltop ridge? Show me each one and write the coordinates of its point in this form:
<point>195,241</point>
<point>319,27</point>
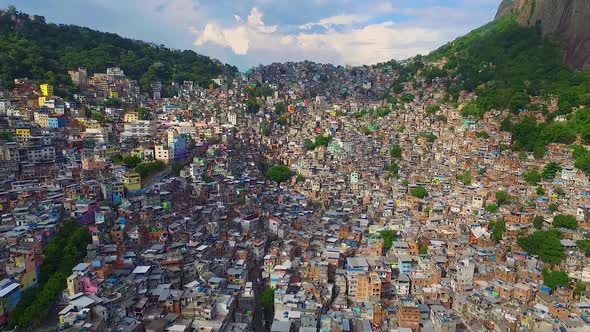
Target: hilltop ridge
<point>566,19</point>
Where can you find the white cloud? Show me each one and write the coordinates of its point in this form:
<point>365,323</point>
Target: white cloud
<point>367,44</point>
<point>335,20</point>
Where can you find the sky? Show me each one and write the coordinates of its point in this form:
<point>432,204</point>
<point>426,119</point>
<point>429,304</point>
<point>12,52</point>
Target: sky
<point>246,33</point>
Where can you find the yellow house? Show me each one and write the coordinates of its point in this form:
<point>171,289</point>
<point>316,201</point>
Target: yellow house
<point>114,94</point>
<point>74,284</point>
<point>131,117</point>
<point>132,181</point>
<point>23,132</point>
<point>46,90</point>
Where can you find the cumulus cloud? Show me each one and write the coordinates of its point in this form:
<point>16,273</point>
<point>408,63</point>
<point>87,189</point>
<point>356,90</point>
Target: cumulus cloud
<point>239,37</point>
<point>355,45</point>
<point>335,20</point>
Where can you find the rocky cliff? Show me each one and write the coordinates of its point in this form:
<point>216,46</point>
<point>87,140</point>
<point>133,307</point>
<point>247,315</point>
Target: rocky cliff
<point>567,19</point>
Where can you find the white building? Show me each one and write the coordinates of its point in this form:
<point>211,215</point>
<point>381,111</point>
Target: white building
<point>139,129</point>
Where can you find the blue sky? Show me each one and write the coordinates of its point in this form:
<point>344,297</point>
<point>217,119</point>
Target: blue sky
<point>246,33</point>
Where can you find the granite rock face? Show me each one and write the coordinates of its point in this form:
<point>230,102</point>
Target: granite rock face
<point>567,19</point>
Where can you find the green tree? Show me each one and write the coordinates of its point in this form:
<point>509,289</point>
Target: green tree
<point>280,108</point>
<point>61,253</point>
<point>464,177</point>
<point>407,98</point>
<point>308,144</point>
<point>545,244</point>
<point>395,151</point>
<point>472,110</point>
<point>432,109</point>
<point>429,136</point>
<point>147,168</point>
<point>300,178</point>
<point>497,229</point>
<point>482,134</point>
<point>393,169</point>
<point>579,289</point>
<point>565,221</point>
<point>503,198</point>
<point>131,161</point>
<point>388,236</point>
<point>419,192</point>
<point>553,207</point>
<point>551,169</point>
<point>176,168</point>
<point>491,208</point>
<point>252,106</point>
<point>278,173</point>
<point>268,299</point>
<point>555,279</point>
<point>117,158</point>
<point>538,222</point>
<point>584,246</point>
<point>423,249</point>
<point>532,177</point>
<point>540,191</point>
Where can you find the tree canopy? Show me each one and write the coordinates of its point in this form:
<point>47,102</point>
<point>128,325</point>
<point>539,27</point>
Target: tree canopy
<point>555,279</point>
<point>61,253</point>
<point>419,192</point>
<point>388,237</point>
<point>278,173</point>
<point>45,52</point>
<point>545,244</point>
<point>565,221</point>
<point>503,198</point>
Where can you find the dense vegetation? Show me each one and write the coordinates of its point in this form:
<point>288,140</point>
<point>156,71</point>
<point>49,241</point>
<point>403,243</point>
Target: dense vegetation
<point>506,64</point>
<point>32,48</point>
<point>419,192</point>
<point>555,279</point>
<point>497,229</point>
<point>320,140</point>
<point>565,221</point>
<point>61,253</point>
<point>530,135</point>
<point>148,168</point>
<point>503,198</point>
<point>395,151</point>
<point>584,246</point>
<point>388,236</point>
<point>510,67</point>
<point>278,173</point>
<point>545,244</point>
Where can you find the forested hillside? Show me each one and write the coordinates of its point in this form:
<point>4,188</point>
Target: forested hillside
<point>30,47</point>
